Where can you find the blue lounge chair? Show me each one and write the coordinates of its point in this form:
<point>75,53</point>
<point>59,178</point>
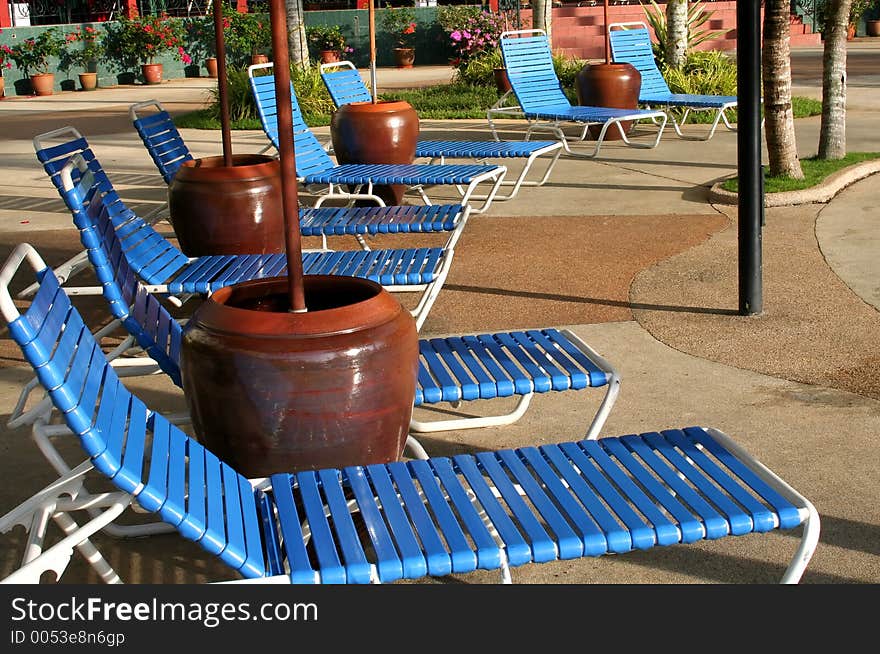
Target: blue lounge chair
<point>493,510</point>
<point>315,167</point>
<point>631,43</point>
<point>163,268</point>
<point>345,85</point>
<point>529,63</point>
<point>54,149</point>
<point>453,369</point>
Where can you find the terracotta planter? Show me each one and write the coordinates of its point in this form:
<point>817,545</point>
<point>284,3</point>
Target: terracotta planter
<point>330,56</point>
<point>211,66</point>
<point>43,83</point>
<point>218,209</point>
<point>850,32</point>
<point>2,87</point>
<point>274,391</point>
<point>88,81</point>
<point>259,59</point>
<point>872,27</point>
<point>502,82</point>
<point>152,73</point>
<point>384,132</point>
<point>404,57</point>
<point>609,85</point>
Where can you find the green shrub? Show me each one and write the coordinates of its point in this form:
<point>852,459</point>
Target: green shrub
<point>709,72</point>
<point>310,92</point>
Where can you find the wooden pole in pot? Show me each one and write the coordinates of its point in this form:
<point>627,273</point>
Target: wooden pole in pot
<point>290,201</point>
<point>372,15</point>
<point>222,83</point>
<point>607,39</point>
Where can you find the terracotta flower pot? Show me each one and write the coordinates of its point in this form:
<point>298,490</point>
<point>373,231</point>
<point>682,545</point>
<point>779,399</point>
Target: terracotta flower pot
<point>211,66</point>
<point>609,85</point>
<point>152,73</point>
<point>872,27</point>
<point>88,81</point>
<point>274,391</point>
<point>330,56</point>
<point>381,132</point>
<point>43,83</point>
<point>404,57</point>
<point>502,82</point>
<point>259,59</point>
<point>2,87</point>
<point>219,209</point>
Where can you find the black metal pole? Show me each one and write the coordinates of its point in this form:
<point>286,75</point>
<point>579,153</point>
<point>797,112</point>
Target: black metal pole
<point>749,170</point>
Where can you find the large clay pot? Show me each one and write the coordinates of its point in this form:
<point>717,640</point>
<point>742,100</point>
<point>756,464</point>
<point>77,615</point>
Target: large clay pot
<point>381,132</point>
<point>872,27</point>
<point>211,66</point>
<point>152,73</point>
<point>330,56</point>
<point>43,83</point>
<point>609,85</point>
<point>274,391</point>
<point>219,209</point>
<point>502,81</point>
<point>259,59</point>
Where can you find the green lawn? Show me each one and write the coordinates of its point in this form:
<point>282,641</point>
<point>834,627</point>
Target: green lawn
<point>815,171</point>
<point>440,102</point>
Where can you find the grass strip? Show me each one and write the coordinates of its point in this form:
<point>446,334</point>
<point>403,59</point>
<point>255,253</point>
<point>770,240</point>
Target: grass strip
<point>815,172</point>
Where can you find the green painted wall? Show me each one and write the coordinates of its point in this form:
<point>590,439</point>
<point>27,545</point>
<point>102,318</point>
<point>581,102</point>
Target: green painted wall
<point>430,43</point>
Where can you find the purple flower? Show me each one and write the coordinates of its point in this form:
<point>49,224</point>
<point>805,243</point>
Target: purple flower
<point>455,36</point>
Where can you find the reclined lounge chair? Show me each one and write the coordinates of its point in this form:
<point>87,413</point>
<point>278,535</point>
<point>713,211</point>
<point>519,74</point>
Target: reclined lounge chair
<point>538,91</point>
<point>345,85</point>
<point>55,148</point>
<point>631,43</point>
<point>452,369</point>
<point>493,510</point>
<point>315,167</point>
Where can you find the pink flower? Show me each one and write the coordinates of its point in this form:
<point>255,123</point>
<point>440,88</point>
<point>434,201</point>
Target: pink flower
<point>455,36</point>
<point>186,59</point>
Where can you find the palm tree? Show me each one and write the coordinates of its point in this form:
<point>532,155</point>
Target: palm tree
<point>543,15</point>
<point>832,133</point>
<point>776,72</point>
<point>676,44</point>
<point>296,33</point>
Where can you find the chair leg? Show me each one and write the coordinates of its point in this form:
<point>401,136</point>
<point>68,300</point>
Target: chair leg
<point>425,427</point>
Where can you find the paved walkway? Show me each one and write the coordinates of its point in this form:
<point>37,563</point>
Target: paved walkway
<point>627,251</point>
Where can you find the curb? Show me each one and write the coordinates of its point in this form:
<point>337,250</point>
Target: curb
<point>821,193</point>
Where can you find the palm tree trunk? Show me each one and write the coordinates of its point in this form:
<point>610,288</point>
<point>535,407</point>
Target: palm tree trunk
<point>543,16</point>
<point>296,34</point>
<point>776,70</point>
<point>675,48</point>
<point>832,133</point>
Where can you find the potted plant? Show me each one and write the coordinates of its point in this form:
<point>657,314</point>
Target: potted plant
<point>32,56</point>
<point>83,50</point>
<point>474,36</point>
<point>199,44</point>
<point>400,23</point>
<point>329,42</point>
<point>872,24</point>
<point>247,37</point>
<point>138,41</point>
<point>5,52</point>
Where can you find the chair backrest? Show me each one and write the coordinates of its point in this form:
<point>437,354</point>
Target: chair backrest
<point>55,157</point>
<point>311,157</point>
<point>344,83</point>
<point>140,451</point>
<point>160,135</point>
<point>140,312</point>
<point>631,43</point>
<point>92,201</point>
<point>529,63</point>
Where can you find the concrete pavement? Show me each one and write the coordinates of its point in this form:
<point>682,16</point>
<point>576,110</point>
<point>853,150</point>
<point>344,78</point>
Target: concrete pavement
<point>627,251</point>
